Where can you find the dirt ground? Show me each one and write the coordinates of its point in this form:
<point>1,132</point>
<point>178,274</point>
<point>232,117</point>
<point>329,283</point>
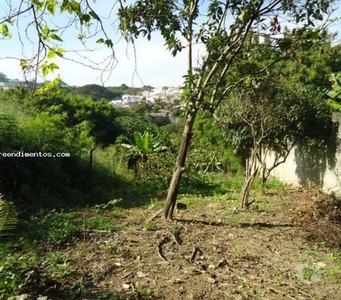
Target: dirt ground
<point>211,251</point>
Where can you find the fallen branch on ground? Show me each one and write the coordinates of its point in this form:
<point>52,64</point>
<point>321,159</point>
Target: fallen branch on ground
<point>165,240</point>
<point>176,238</point>
<point>154,215</point>
<point>194,253</point>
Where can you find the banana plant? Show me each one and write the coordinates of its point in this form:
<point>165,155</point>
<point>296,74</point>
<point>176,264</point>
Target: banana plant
<point>144,144</point>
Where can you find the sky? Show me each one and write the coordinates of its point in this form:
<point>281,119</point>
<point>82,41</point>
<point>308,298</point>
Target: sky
<point>151,63</point>
<point>148,63</point>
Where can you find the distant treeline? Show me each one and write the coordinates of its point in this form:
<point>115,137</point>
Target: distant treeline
<point>97,92</point>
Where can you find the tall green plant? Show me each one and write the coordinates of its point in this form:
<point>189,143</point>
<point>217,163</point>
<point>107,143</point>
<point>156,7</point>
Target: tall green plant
<point>144,145</point>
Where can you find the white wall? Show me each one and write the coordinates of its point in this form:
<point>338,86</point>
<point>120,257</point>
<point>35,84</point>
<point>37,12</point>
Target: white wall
<point>320,169</point>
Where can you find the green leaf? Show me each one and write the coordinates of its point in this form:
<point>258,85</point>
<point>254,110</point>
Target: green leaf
<point>85,19</point>
<point>55,37</point>
<point>45,30</point>
<point>76,8</point>
<point>51,5</point>
<point>56,81</point>
<point>146,141</point>
<point>138,139</point>
<point>66,6</point>
<point>94,15</point>
<point>100,41</point>
<point>53,66</point>
<point>81,36</point>
<point>59,51</point>
<point>40,5</point>
<point>5,31</point>
<point>51,53</point>
<point>109,43</point>
<point>23,64</point>
<point>46,68</point>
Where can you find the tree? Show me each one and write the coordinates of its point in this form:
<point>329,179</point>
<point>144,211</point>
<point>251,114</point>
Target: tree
<point>273,116</point>
<point>3,77</point>
<point>96,92</point>
<point>281,108</point>
<point>100,116</point>
<point>51,123</point>
<point>147,88</point>
<point>208,146</point>
<point>221,28</point>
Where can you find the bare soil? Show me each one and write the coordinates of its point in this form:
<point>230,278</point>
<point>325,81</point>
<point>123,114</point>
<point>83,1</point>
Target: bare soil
<point>284,247</point>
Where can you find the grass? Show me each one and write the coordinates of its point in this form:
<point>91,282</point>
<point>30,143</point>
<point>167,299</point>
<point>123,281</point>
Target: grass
<point>57,265</point>
<point>37,243</point>
<point>51,241</point>
<point>149,226</point>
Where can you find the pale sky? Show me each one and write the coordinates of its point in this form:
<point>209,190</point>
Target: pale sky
<point>153,64</point>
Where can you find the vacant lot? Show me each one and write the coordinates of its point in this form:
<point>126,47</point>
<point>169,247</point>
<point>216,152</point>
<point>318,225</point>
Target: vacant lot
<point>284,247</point>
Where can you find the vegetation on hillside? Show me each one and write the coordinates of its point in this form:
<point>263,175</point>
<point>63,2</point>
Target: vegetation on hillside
<point>80,177</point>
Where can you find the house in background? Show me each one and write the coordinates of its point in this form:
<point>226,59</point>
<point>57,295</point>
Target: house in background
<point>169,94</point>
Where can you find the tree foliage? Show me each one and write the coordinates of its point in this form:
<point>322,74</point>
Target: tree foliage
<point>3,77</point>
<point>47,124</point>
<point>54,120</point>
<point>39,180</point>
<point>279,108</point>
<point>79,112</point>
<point>334,91</point>
<point>274,116</point>
<point>96,92</point>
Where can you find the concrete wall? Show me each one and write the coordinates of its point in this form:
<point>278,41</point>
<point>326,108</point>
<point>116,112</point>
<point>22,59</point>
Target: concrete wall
<point>322,168</point>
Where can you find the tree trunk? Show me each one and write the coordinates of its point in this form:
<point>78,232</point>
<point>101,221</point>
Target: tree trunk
<point>250,176</point>
<point>247,189</point>
<point>91,165</point>
<point>91,160</point>
<point>179,167</point>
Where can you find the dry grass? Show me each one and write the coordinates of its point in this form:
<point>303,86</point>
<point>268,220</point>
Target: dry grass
<point>320,216</point>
